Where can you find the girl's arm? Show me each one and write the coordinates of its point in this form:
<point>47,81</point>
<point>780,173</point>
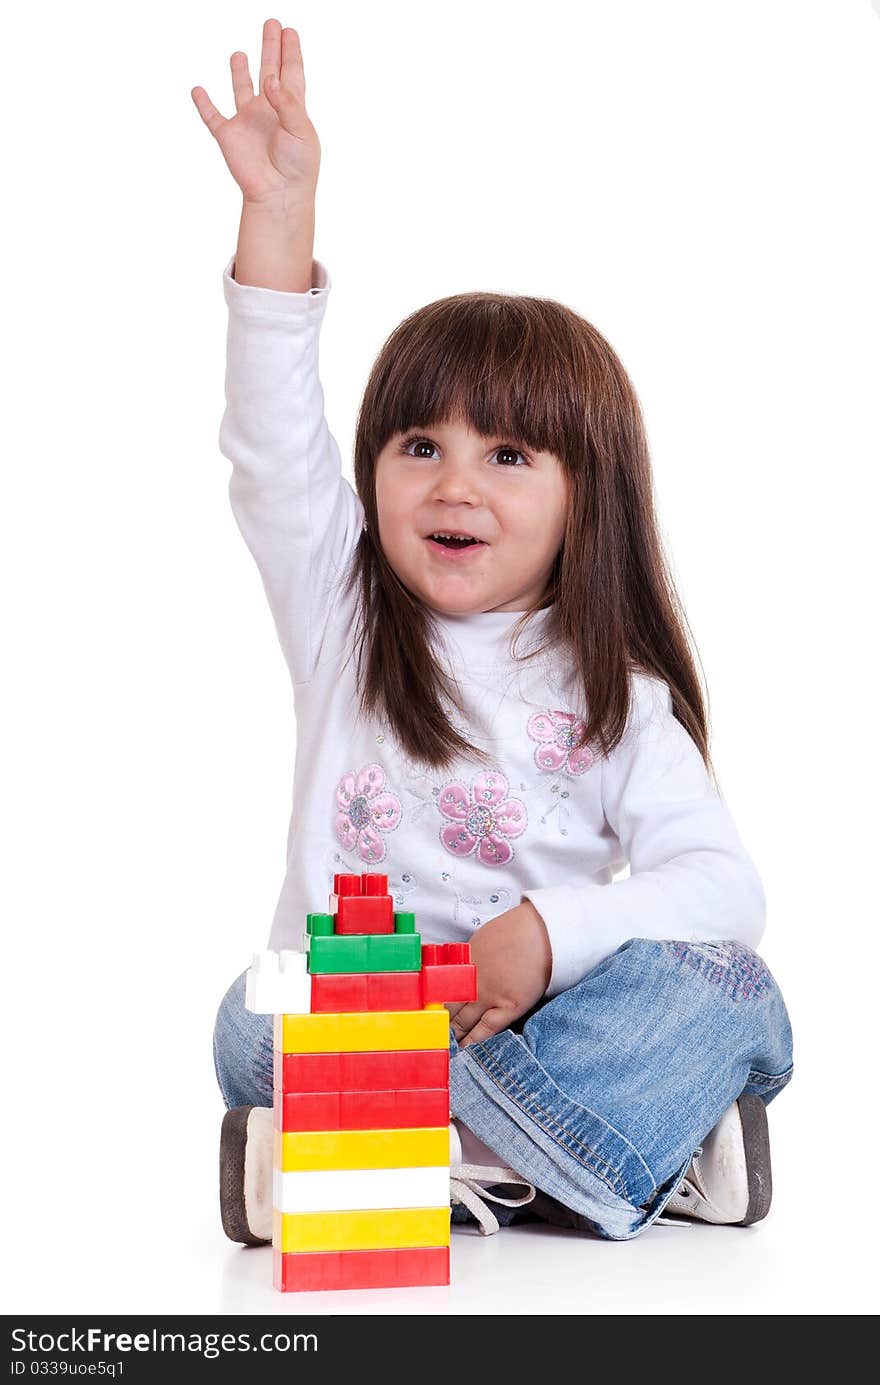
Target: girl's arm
<point>299,517</point>
<point>275,248</point>
<point>690,876</point>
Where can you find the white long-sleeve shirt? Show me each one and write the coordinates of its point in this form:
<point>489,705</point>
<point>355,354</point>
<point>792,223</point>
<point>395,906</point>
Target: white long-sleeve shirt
<point>462,845</point>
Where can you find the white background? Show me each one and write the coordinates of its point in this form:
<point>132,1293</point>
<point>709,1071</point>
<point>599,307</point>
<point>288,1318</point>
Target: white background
<point>700,180</point>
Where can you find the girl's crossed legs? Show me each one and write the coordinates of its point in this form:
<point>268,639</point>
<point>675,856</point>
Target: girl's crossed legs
<point>607,1091</point>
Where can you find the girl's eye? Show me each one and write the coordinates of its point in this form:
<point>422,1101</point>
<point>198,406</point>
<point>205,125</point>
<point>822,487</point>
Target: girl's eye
<point>426,442</point>
<point>511,451</point>
<point>412,442</point>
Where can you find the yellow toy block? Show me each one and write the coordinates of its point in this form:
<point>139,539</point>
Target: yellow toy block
<point>392,1228</point>
<point>361,1149</point>
<point>372,1031</point>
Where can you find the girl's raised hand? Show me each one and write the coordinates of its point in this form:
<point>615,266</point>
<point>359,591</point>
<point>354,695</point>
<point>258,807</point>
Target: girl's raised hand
<point>270,145</point>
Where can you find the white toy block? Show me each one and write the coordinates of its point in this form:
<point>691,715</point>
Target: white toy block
<point>278,983</point>
<point>343,1190</point>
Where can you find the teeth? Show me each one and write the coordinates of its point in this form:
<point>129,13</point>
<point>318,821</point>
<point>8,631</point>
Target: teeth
<point>441,535</point>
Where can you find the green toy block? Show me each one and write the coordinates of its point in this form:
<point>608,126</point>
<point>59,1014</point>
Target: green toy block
<point>366,952</point>
<point>320,925</point>
<point>404,923</point>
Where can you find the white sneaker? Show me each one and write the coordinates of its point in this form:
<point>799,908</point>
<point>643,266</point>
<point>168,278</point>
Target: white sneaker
<point>729,1181</point>
<point>466,1185</point>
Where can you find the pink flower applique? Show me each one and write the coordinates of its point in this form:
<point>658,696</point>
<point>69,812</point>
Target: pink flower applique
<point>483,818</point>
<point>365,810</point>
<point>556,734</point>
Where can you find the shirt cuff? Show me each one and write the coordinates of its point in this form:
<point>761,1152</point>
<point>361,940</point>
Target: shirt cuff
<point>251,298</point>
<point>562,908</point>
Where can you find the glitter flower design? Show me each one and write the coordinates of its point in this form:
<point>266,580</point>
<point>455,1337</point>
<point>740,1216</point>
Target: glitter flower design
<point>366,808</point>
<point>556,734</point>
<point>482,818</point>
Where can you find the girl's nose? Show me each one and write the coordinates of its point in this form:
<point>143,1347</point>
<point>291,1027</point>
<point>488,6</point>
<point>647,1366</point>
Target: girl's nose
<point>457,485</point>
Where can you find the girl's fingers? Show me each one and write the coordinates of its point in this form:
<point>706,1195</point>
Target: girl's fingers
<point>452,1010</point>
<point>290,112</point>
<point>242,86</point>
<point>492,1022</point>
<point>292,75</point>
<point>270,58</point>
<point>207,110</point>
<point>464,1019</point>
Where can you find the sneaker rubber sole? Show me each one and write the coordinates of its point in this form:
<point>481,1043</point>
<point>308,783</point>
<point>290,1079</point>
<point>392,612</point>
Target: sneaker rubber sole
<point>756,1138</point>
<point>233,1148</point>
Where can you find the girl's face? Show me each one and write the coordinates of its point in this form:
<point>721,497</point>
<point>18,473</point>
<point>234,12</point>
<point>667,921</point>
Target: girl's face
<point>450,479</point>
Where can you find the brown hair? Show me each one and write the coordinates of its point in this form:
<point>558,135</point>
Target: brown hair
<point>538,372</point>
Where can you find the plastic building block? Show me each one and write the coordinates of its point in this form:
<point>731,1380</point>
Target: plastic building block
<point>351,885</point>
<point>376,990</point>
<point>366,952</point>
<point>404,923</point>
<point>361,1072</point>
<point>278,982</point>
<point>339,1190</point>
<point>392,1227</point>
<point>419,1106</point>
<point>380,1029</point>
<point>446,983</point>
<point>445,954</point>
<point>447,973</point>
<point>374,883</point>
<point>391,989</point>
<point>361,1269</point>
<point>365,914</point>
<point>362,904</point>
<point>319,925</point>
<point>360,1149</point>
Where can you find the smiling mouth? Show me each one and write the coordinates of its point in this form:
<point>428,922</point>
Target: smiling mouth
<point>454,540</point>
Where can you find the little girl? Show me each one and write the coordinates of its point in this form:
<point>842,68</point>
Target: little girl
<point>497,706</point>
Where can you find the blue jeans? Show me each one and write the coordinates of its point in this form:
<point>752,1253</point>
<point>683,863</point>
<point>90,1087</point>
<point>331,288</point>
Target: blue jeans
<point>600,1096</point>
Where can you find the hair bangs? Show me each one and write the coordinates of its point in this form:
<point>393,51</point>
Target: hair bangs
<point>473,358</point>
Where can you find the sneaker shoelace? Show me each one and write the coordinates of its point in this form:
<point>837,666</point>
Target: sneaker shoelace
<point>689,1188</point>
<point>465,1186</point>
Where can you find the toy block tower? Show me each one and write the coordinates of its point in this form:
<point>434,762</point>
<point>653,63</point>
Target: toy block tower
<point>361,1110</point>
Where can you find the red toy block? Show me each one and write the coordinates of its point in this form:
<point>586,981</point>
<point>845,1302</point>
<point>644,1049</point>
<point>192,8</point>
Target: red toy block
<point>343,885</point>
<point>374,884</point>
<point>365,914</point>
<point>401,1069</point>
<point>448,973</point>
<point>346,884</point>
<point>346,993</point>
<point>419,1108</point>
<point>442,983</point>
<point>446,954</point>
<point>361,1269</point>
<point>456,954</point>
<point>351,992</point>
